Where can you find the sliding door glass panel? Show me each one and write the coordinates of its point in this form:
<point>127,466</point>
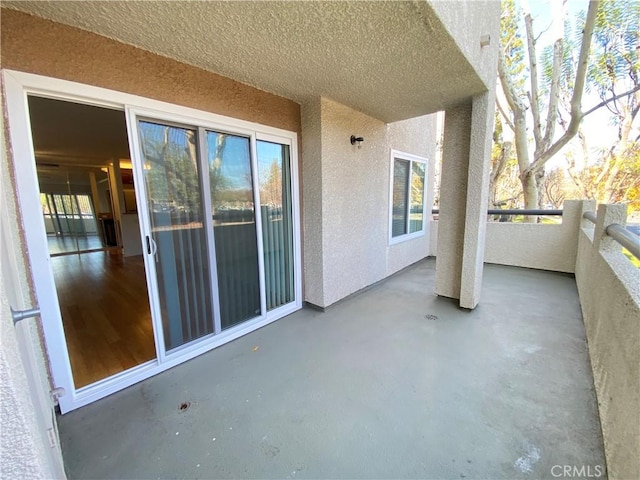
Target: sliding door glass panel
<point>400,197</point>
<point>174,200</point>
<point>274,174</point>
<point>234,227</point>
<point>416,213</point>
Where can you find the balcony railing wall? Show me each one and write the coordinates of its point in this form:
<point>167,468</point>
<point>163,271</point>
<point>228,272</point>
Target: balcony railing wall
<point>609,289</point>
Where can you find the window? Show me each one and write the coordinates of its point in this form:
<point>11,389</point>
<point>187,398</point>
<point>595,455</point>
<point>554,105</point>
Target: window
<point>407,196</point>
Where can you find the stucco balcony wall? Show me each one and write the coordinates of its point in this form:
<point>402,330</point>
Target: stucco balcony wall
<point>609,289</point>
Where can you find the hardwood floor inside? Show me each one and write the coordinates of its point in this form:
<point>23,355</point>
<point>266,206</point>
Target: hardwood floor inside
<point>105,311</point>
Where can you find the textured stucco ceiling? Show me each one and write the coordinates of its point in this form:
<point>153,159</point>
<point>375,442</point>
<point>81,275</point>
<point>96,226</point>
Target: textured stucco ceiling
<point>392,60</point>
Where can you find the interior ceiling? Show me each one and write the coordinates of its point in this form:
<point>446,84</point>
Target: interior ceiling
<point>390,59</point>
<point>66,133</point>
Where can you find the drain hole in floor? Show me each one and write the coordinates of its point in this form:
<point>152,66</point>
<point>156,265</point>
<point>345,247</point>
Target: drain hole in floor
<point>184,406</point>
<point>430,317</point>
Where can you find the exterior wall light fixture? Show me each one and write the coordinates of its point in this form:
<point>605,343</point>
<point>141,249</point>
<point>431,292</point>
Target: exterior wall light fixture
<point>356,140</point>
<point>485,41</point>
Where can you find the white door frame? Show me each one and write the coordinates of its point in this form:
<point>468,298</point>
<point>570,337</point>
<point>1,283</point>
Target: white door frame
<point>17,86</point>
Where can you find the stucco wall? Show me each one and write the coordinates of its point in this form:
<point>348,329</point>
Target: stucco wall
<point>467,22</point>
<point>611,313</point>
<point>540,246</point>
<point>350,188</point>
<point>534,245</point>
<point>34,45</point>
<point>29,446</point>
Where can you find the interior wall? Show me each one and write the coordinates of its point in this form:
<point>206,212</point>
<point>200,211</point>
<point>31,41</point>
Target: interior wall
<point>351,188</point>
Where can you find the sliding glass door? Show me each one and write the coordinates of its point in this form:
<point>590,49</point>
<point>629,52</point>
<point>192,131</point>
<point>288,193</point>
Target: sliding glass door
<point>178,239</point>
<point>234,226</point>
<point>217,261</point>
<point>274,169</point>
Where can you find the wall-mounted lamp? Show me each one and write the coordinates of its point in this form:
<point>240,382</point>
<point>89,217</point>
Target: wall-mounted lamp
<point>485,41</point>
<point>356,140</point>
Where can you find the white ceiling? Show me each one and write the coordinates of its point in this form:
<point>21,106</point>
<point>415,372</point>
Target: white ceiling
<point>390,59</point>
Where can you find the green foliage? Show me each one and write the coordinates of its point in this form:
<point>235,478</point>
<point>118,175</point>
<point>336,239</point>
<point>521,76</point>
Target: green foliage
<point>615,46</point>
<point>512,42</point>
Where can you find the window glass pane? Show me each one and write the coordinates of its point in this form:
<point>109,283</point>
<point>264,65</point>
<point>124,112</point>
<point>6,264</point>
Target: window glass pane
<point>400,197</point>
<point>416,214</point>
<point>172,180</point>
<point>45,204</point>
<point>234,226</point>
<point>274,172</point>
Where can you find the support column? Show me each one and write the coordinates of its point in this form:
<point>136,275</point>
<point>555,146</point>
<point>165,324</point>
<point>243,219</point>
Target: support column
<point>453,198</point>
<point>482,118</point>
<point>312,208</point>
<point>94,192</point>
<point>464,190</point>
<point>117,197</point>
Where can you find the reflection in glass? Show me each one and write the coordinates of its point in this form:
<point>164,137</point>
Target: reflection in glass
<point>416,213</point>
<point>400,197</point>
<point>234,227</point>
<point>172,180</point>
<point>274,173</point>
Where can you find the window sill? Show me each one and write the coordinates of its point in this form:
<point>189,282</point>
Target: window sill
<point>406,237</point>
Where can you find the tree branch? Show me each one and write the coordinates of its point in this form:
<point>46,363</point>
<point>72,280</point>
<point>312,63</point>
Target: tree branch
<point>578,91</point>
<point>552,112</point>
<point>612,99</point>
<point>506,118</point>
<point>507,86</point>
<point>533,77</point>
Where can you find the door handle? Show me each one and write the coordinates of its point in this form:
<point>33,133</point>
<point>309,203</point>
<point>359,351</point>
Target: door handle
<point>152,247</point>
<point>22,314</point>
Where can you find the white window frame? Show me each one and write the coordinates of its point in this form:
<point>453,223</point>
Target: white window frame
<point>398,155</point>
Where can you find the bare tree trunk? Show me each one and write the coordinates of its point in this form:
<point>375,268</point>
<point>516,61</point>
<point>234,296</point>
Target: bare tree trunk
<point>532,166</point>
<point>496,172</point>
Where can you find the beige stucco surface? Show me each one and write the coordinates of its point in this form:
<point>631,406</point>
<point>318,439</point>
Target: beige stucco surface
<point>611,312</point>
<point>467,22</point>
<point>531,245</point>
<point>350,248</point>
<point>31,44</point>
<point>29,446</point>
<point>312,202</point>
<point>390,59</point>
<point>453,200</point>
<point>539,246</point>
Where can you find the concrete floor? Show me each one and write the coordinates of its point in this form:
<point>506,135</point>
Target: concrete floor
<point>369,389</point>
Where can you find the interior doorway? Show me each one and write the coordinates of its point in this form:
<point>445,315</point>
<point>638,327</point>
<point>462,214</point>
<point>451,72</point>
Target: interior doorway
<point>90,215</point>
